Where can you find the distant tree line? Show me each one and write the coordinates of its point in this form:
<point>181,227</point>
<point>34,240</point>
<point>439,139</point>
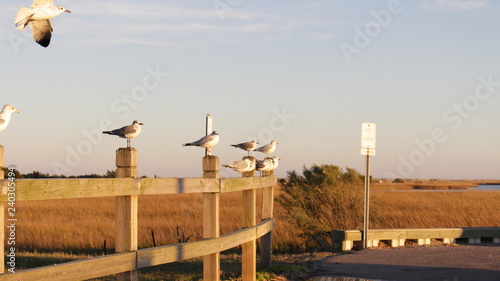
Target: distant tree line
<point>40,175</point>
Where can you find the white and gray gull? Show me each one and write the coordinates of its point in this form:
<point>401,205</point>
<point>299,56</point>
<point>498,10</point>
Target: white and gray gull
<point>127,132</point>
<point>245,165</point>
<point>248,146</point>
<point>38,18</point>
<point>268,148</point>
<point>207,141</point>
<point>5,116</point>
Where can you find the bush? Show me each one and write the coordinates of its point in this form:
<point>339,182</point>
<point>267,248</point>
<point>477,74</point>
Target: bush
<point>324,198</point>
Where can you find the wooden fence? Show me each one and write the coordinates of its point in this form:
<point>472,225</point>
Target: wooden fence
<point>346,239</point>
<point>126,188</point>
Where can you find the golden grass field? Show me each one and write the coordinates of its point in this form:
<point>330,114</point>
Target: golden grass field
<point>82,225</point>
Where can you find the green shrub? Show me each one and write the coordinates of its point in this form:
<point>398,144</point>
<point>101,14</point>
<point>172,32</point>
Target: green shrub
<point>323,198</point>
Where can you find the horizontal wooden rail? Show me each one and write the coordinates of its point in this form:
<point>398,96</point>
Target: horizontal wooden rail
<point>177,252</point>
<point>78,270</point>
<point>345,239</point>
<point>47,189</point>
<point>116,263</point>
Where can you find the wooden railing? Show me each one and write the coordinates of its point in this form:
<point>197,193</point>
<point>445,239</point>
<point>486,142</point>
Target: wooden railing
<point>346,239</point>
<point>126,189</point>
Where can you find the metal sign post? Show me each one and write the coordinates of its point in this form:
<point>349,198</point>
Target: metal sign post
<point>368,136</point>
<point>208,130</point>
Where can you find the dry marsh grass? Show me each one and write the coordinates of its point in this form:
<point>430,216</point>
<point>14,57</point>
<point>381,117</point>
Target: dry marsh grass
<point>82,225</point>
<point>425,184</point>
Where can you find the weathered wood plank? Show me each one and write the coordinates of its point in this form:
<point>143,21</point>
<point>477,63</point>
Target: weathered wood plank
<point>211,229</point>
<point>249,249</point>
<point>77,270</point>
<point>178,252</point>
<point>152,186</point>
<point>46,189</point>
<point>126,210</point>
<point>352,235</point>
<point>211,225</point>
<point>418,233</point>
<point>237,184</point>
<point>266,242</point>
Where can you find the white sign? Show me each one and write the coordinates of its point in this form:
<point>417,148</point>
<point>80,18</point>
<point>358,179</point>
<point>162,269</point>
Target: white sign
<point>368,138</point>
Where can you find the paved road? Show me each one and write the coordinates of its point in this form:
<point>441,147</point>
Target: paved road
<point>430,263</point>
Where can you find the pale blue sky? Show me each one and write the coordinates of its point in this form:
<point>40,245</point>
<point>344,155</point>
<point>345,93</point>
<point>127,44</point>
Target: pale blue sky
<point>305,73</point>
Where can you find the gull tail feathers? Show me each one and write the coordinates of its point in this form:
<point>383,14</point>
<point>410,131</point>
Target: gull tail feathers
<point>187,144</point>
<point>108,132</point>
<point>22,18</point>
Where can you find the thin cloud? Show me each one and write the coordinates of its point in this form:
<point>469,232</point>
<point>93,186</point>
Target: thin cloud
<point>456,5</point>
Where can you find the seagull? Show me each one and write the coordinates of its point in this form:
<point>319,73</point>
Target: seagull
<point>268,164</point>
<point>275,162</point>
<point>264,165</point>
<point>245,165</point>
<point>38,17</point>
<point>5,116</point>
<point>248,146</point>
<point>127,132</point>
<point>207,141</point>
<point>268,148</point>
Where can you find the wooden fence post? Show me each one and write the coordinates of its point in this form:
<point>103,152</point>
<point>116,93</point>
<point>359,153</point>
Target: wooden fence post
<point>211,229</point>
<point>2,218</point>
<point>266,241</point>
<point>126,209</point>
<point>249,249</point>
<point>1,162</point>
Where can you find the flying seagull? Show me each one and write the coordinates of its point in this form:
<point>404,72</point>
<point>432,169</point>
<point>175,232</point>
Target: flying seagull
<point>38,18</point>
<point>245,165</point>
<point>248,146</point>
<point>268,148</point>
<point>207,141</point>
<point>127,132</point>
<point>5,116</point>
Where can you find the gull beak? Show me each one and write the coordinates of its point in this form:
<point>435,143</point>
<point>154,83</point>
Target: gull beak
<point>67,11</point>
<point>141,124</point>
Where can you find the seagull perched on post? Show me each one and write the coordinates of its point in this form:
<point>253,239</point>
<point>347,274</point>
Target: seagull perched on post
<point>5,116</point>
<point>268,164</point>
<point>268,148</point>
<point>38,18</point>
<point>127,132</point>
<point>264,165</point>
<point>248,146</point>
<point>207,141</point>
<point>245,165</point>
<point>275,162</point>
